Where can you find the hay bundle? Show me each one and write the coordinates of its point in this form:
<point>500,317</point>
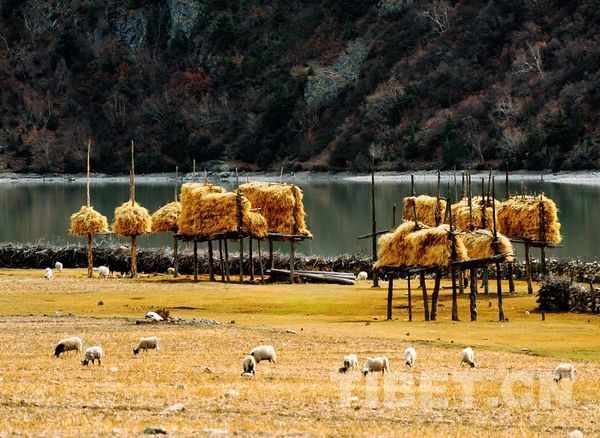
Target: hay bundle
<point>280,204</point>
<point>407,246</point>
<point>426,209</point>
<point>479,244</point>
<point>215,213</point>
<point>166,218</point>
<point>88,221</point>
<point>460,213</point>
<point>191,197</point>
<point>520,217</point>
<point>131,220</point>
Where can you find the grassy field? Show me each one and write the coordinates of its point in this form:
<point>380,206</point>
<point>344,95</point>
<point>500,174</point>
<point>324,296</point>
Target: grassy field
<point>302,393</point>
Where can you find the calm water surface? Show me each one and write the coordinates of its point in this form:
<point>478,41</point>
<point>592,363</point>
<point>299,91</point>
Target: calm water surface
<point>338,211</point>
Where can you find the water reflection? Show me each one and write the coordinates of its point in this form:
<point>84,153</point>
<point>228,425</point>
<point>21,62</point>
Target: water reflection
<point>338,211</point>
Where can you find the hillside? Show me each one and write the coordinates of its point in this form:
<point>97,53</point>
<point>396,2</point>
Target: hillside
<point>303,85</point>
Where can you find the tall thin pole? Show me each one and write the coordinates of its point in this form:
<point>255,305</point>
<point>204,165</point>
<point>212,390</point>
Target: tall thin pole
<point>90,257</point>
<point>176,183</point>
<point>497,251</point>
<point>452,267</point>
<point>373,222</point>
<point>132,195</point>
<point>88,201</point>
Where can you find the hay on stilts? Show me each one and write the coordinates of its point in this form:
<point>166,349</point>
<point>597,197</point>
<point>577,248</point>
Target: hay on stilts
<point>409,246</point>
<point>519,217</point>
<point>461,213</point>
<point>280,204</point>
<point>166,218</point>
<point>131,220</point>
<point>426,209</point>
<point>480,244</point>
<point>191,196</point>
<point>216,213</point>
<point>88,221</point>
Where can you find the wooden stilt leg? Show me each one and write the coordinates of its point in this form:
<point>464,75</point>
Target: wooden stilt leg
<point>473,295</point>
<point>486,281</point>
<point>90,259</point>
<point>260,264</point>
<point>390,296</point>
<point>175,256</point>
<point>211,269</point>
<point>221,264</point>
<point>434,295</point>
<point>543,260</point>
<point>292,259</point>
<point>461,284</point>
<point>226,261</point>
<point>195,261</point>
<point>241,259</point>
<point>134,273</point>
<point>511,279</point>
<point>425,300</point>
<point>409,301</point>
<point>251,259</point>
<point>528,270</point>
<point>499,287</point>
<point>454,297</point>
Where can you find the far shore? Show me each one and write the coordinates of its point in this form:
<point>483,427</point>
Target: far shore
<point>583,177</point>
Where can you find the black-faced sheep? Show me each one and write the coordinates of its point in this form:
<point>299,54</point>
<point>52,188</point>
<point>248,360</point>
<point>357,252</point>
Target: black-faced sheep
<point>378,364</point>
<point>150,343</point>
<point>92,354</point>
<point>350,362</point>
<point>468,356</point>
<point>564,371</point>
<point>249,365</point>
<point>69,344</point>
<point>410,356</point>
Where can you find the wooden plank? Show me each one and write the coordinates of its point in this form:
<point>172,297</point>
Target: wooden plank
<point>378,233</point>
<point>317,277</point>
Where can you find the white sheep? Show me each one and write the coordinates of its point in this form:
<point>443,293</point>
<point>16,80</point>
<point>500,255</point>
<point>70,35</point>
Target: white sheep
<point>68,344</point>
<point>410,356</point>
<point>362,275</point>
<point>249,365</point>
<point>171,271</point>
<point>264,352</point>
<point>48,274</point>
<point>350,362</point>
<point>564,371</point>
<point>155,316</point>
<point>468,356</point>
<point>58,266</point>
<point>150,343</point>
<point>576,433</point>
<point>92,354</point>
<point>102,271</point>
<point>378,364</point>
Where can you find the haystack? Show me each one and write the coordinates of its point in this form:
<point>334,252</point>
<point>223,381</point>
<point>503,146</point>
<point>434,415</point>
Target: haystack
<point>215,213</point>
<point>165,219</point>
<point>460,213</point>
<point>426,209</point>
<point>191,196</point>
<point>479,244</point>
<point>408,246</point>
<point>88,221</point>
<point>280,204</point>
<point>519,217</point>
<point>131,220</point>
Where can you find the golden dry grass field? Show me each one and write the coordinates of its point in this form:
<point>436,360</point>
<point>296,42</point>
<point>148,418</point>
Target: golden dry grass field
<point>509,393</point>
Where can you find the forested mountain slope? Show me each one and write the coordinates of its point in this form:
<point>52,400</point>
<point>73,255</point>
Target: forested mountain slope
<point>304,85</point>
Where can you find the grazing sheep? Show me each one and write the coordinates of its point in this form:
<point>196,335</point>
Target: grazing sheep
<point>264,352</point>
<point>410,355</point>
<point>576,433</point>
<point>48,274</point>
<point>564,371</point>
<point>379,364</point>
<point>58,266</point>
<point>155,316</point>
<point>171,271</point>
<point>362,275</point>
<point>102,271</point>
<point>150,343</point>
<point>468,356</point>
<point>249,365</point>
<point>92,354</point>
<point>68,344</point>
<point>350,362</point>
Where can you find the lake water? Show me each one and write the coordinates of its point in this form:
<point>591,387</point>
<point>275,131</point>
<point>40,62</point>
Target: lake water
<point>338,209</point>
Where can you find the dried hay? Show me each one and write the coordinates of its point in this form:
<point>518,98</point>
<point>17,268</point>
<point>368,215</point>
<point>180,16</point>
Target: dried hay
<point>88,221</point>
<point>280,204</point>
<point>166,218</point>
<point>460,213</point>
<point>479,244</point>
<point>191,196</point>
<point>407,246</point>
<point>215,213</point>
<point>426,209</point>
<point>519,217</point>
<point>131,220</point>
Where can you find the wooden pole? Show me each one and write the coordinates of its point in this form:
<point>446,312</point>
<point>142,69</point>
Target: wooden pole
<point>132,196</point>
<point>461,282</point>
<point>453,268</point>
<point>292,259</point>
<point>221,264</point>
<point>176,182</point>
<point>435,294</point>
<point>528,269</point>
<point>134,257</point>
<point>260,263</point>
<point>496,247</point>
<point>542,228</point>
<point>486,280</point>
<point>211,268</point>
<point>409,301</point>
<point>394,216</point>
<point>241,259</point>
<point>226,261</point>
<point>455,185</point>
<point>412,186</point>
<point>90,259</point>
<point>195,261</point>
<point>390,295</point>
<point>373,220</point>
<point>438,212</point>
<point>511,280</point>
<point>425,300</point>
<point>506,189</point>
<point>175,257</point>
<point>473,294</point>
<point>251,258</point>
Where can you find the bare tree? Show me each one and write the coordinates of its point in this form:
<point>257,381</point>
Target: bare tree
<point>439,14</point>
<point>529,60</point>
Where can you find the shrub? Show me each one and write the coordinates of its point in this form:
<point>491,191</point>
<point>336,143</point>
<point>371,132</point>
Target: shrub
<point>554,293</point>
